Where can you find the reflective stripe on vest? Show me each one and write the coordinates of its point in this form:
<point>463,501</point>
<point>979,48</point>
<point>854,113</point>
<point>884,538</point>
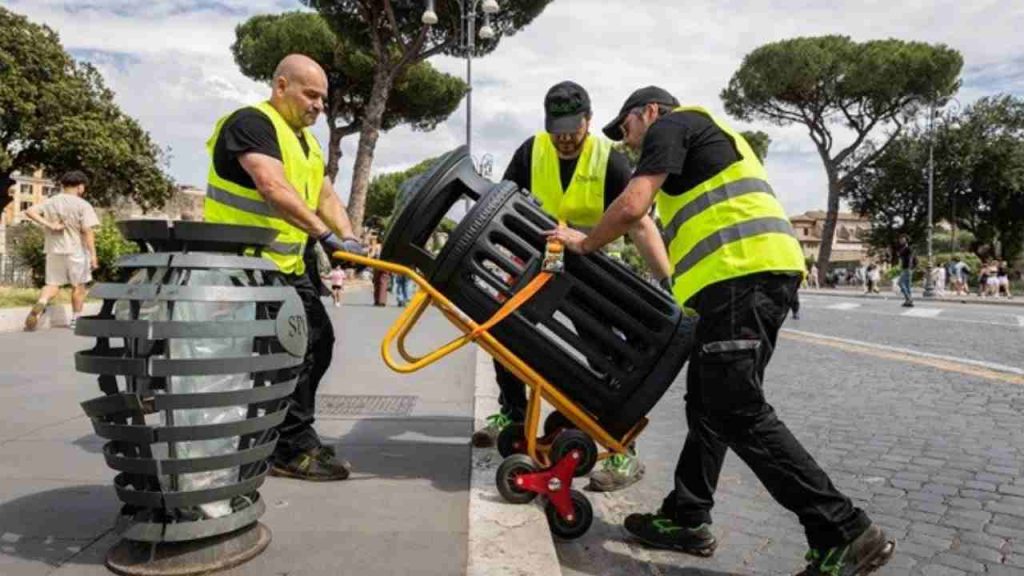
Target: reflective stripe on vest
<point>229,203</point>
<point>582,204</point>
<point>728,226</point>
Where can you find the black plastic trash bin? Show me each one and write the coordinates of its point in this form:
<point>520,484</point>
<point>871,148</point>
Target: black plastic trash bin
<point>602,335</point>
<point>196,356</point>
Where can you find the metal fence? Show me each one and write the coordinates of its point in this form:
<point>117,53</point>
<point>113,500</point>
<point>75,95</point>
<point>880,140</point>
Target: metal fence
<point>13,273</point>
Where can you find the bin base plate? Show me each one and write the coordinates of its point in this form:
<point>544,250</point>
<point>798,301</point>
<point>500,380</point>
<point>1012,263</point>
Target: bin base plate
<point>131,558</point>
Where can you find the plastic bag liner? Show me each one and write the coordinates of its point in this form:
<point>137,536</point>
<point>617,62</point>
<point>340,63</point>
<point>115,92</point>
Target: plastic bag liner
<point>196,348</point>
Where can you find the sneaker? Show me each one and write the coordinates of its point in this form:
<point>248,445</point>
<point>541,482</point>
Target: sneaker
<point>32,320</point>
<point>619,471</point>
<point>867,553</point>
<point>488,435</point>
<point>73,322</point>
<point>660,531</point>
<point>316,465</point>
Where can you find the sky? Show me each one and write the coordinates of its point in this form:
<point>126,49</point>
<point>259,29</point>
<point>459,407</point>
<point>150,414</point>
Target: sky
<point>169,63</point>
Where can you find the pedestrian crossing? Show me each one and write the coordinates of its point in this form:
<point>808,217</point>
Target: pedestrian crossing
<point>992,317</point>
<point>922,312</point>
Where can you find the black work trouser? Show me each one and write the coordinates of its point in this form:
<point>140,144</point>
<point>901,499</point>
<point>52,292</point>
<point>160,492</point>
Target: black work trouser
<point>726,408</point>
<point>296,432</point>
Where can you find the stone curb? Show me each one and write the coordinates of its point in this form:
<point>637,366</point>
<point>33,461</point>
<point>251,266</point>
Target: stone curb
<point>841,293</point>
<point>57,315</point>
<point>504,539</point>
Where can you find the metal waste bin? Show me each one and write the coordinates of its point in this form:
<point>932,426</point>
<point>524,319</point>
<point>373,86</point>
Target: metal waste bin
<point>196,354</point>
<point>601,334</point>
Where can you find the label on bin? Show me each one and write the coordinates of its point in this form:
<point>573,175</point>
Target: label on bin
<point>554,257</point>
<point>292,329</point>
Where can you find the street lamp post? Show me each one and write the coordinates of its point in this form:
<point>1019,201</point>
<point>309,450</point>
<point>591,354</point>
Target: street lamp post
<point>929,285</point>
<point>467,13</point>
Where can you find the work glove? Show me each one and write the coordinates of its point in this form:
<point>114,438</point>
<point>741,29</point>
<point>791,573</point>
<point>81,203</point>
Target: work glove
<point>331,243</point>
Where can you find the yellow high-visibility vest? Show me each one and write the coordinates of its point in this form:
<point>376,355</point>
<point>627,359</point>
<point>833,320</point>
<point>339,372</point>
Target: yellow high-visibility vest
<point>728,226</point>
<point>582,205</point>
<point>229,203</point>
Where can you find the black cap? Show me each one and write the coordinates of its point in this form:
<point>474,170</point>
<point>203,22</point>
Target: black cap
<point>641,97</point>
<point>565,106</point>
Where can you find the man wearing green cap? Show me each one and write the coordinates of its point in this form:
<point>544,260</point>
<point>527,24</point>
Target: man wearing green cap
<point>734,260</point>
<point>575,176</point>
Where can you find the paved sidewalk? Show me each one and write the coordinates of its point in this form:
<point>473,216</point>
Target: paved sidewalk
<point>855,291</point>
<point>404,511</point>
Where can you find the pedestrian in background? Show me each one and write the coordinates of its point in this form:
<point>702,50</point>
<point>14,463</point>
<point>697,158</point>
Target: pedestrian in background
<point>69,243</point>
<point>813,277</point>
<point>907,261</point>
<point>337,281</point>
<point>1003,279</point>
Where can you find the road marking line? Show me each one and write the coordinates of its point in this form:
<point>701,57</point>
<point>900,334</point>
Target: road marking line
<point>981,369</point>
<point>923,312</point>
<point>843,306</point>
<point>1020,320</point>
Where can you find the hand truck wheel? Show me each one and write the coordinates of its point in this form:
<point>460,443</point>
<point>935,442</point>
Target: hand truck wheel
<point>573,439</point>
<point>511,468</point>
<point>583,517</point>
<point>556,421</point>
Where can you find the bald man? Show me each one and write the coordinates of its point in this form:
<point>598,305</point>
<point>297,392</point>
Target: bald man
<point>267,169</point>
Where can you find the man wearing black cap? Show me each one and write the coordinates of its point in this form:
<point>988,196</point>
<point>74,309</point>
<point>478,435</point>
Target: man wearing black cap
<point>734,260</point>
<point>576,176</point>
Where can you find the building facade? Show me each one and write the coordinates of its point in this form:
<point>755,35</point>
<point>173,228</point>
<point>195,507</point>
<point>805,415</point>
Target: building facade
<point>27,191</point>
<point>849,243</point>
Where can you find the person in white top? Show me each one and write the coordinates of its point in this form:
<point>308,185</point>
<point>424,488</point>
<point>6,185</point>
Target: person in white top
<point>68,221</point>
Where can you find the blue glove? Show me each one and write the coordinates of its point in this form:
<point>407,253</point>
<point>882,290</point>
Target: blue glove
<point>332,244</point>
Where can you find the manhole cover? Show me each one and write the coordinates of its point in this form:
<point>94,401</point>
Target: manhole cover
<point>346,406</point>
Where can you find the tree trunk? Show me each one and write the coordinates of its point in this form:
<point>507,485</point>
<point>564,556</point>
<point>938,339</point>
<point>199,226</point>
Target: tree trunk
<point>829,232</point>
<point>333,148</point>
<point>372,118</point>
<point>5,190</point>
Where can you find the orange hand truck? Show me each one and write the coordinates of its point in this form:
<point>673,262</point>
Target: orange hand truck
<point>533,465</point>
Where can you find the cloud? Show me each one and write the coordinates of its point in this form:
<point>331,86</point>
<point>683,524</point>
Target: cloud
<point>170,65</point>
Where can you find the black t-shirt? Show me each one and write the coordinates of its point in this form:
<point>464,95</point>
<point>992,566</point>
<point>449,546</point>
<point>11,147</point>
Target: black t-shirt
<point>906,254</point>
<point>687,146</point>
<point>247,130</point>
<point>617,175</point>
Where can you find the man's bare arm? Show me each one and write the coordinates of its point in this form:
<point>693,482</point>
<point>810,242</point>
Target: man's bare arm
<point>268,175</point>
<point>34,215</point>
<point>332,211</point>
<point>89,238</point>
<point>651,247</point>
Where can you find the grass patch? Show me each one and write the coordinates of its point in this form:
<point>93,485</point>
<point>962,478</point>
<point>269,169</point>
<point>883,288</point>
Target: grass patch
<point>15,297</point>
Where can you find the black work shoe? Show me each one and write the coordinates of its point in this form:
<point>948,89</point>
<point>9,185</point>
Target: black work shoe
<point>661,531</point>
<point>865,554</point>
<point>316,465</point>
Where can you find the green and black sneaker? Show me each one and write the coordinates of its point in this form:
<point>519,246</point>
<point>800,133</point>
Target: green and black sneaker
<point>867,553</point>
<point>488,435</point>
<point>660,531</point>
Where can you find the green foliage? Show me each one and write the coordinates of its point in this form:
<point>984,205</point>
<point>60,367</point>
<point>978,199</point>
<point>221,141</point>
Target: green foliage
<point>354,19</point>
<point>422,97</point>
<point>759,141</point>
<point>110,246</point>
<point>58,115</point>
<point>395,38</point>
<point>384,189</point>
<point>978,181</point>
<point>27,239</point>
<point>892,192</point>
<point>828,81</point>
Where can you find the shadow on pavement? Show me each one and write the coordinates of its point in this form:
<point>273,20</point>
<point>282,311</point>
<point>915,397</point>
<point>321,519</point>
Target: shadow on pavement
<point>55,525</point>
<point>402,448</point>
